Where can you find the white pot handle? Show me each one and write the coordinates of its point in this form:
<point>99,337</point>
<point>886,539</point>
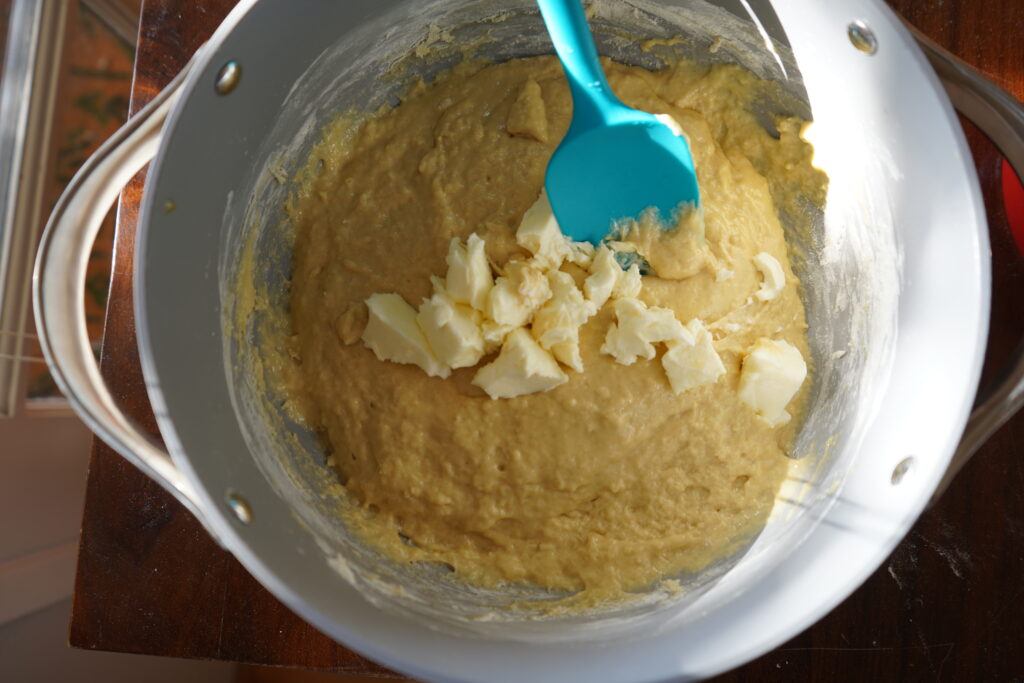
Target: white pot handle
<point>1001,117</point>
<point>58,290</point>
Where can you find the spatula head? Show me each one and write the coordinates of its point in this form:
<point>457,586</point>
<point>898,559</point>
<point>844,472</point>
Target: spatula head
<point>616,171</point>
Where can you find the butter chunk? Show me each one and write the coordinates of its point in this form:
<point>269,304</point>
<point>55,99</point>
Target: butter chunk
<point>581,253</point>
<point>393,334</point>
<point>556,326</point>
<point>692,360</point>
<point>604,274</point>
<point>505,308</point>
<point>771,375</point>
<point>494,334</point>
<point>638,328</point>
<point>452,331</point>
<point>608,280</point>
<point>469,276</point>
<point>629,283</point>
<point>516,296</point>
<point>539,233</point>
<point>438,285</point>
<point>527,117</point>
<point>773,277</point>
<point>522,367</point>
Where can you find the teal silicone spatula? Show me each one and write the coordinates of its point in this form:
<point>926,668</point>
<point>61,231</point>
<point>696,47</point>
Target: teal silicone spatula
<point>614,161</point>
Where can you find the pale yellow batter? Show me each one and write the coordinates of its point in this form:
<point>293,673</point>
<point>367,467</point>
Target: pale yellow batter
<point>609,481</point>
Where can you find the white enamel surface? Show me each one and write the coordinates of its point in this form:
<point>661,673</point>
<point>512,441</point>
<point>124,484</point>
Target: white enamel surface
<point>881,121</point>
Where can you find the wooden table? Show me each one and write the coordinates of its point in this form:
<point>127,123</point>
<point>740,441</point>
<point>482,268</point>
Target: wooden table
<point>948,604</point>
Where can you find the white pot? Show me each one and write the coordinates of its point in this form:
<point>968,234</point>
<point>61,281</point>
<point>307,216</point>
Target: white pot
<point>897,296</point>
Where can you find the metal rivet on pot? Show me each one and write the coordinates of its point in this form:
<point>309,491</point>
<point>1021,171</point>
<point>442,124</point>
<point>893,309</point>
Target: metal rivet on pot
<point>239,506</point>
<point>228,77</point>
<point>169,206</point>
<point>901,470</point>
<point>862,37</point>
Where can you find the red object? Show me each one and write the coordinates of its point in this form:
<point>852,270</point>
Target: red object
<point>1013,197</point>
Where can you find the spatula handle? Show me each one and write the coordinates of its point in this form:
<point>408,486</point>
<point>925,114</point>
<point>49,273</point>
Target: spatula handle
<point>592,97</point>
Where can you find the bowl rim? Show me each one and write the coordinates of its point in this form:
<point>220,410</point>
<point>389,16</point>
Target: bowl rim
<point>744,627</point>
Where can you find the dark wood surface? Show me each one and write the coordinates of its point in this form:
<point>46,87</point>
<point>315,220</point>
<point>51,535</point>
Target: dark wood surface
<point>947,605</point>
